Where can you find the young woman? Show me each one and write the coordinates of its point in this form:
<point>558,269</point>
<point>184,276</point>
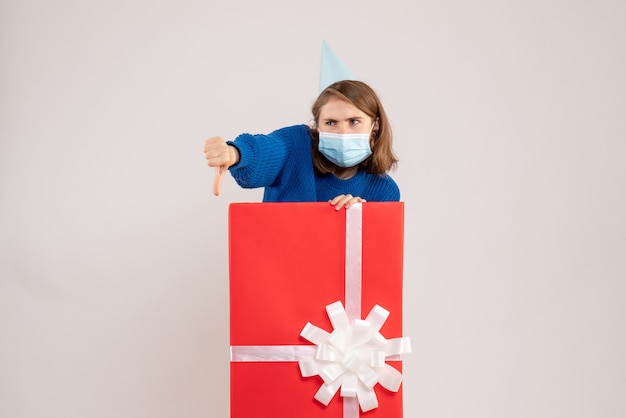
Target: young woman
<point>343,158</point>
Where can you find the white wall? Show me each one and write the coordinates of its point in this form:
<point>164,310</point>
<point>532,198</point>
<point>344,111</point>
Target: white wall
<point>510,124</point>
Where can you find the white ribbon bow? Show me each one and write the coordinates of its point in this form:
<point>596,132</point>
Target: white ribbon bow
<point>352,357</point>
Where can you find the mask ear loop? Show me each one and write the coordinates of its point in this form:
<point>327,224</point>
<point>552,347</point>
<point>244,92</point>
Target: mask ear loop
<point>372,131</point>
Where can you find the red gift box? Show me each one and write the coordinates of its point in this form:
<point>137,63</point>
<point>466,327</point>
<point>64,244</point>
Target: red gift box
<point>288,262</point>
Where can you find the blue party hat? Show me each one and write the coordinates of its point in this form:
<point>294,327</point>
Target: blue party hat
<point>332,68</point>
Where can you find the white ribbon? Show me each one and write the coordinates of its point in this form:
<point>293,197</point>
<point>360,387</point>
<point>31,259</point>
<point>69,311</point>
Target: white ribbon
<point>354,262</point>
<point>351,359</point>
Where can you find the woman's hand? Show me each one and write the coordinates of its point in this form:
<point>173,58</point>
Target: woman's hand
<point>220,155</point>
<point>346,200</point>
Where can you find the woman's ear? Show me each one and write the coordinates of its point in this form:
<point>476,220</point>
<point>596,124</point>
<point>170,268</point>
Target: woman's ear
<point>376,126</point>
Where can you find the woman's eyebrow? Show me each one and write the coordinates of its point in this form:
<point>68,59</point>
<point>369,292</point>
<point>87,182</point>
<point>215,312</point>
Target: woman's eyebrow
<point>348,118</point>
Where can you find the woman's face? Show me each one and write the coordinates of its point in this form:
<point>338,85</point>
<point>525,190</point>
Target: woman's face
<point>341,117</point>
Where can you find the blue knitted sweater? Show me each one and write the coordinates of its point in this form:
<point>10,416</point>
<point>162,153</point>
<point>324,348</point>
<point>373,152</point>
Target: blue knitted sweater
<point>282,163</point>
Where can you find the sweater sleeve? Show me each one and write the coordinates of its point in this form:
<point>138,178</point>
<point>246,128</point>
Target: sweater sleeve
<point>382,188</point>
<point>262,157</point>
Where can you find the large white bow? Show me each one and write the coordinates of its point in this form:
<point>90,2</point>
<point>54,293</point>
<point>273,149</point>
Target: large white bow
<point>352,357</point>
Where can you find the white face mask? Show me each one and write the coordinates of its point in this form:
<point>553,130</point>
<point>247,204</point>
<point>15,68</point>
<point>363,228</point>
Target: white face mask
<point>345,150</point>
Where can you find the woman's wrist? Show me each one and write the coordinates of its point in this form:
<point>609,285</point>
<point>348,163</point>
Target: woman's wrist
<point>234,155</point>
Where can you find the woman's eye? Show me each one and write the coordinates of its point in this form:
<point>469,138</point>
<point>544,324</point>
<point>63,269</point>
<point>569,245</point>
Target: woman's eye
<point>355,121</point>
<point>330,122</point>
